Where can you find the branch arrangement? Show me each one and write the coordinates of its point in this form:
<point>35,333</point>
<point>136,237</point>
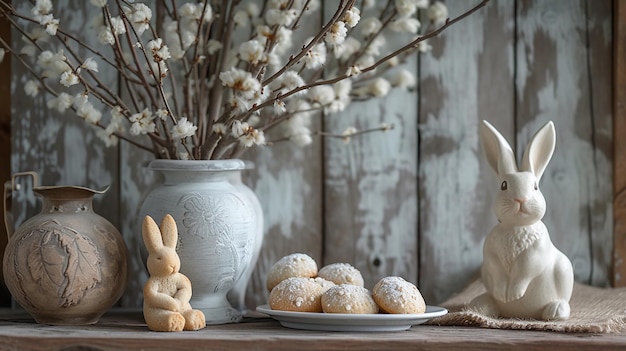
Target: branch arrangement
<point>210,79</point>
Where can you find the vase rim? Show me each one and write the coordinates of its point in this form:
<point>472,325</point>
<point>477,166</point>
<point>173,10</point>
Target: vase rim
<point>68,191</point>
<point>199,165</point>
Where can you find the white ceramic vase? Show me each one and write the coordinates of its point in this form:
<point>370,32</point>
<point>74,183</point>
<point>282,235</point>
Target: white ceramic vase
<point>217,222</point>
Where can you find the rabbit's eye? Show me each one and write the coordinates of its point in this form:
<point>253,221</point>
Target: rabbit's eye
<point>504,185</point>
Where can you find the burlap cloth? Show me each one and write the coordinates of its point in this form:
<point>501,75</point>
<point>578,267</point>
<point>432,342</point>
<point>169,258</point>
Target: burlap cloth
<point>593,310</point>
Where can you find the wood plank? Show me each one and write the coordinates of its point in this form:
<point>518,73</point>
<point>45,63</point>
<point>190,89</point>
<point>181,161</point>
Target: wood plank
<point>599,50</point>
<point>370,206</point>
<point>467,78</point>
<point>553,83</point>
<point>288,181</point>
<point>5,142</point>
<point>126,330</point>
<point>619,145</point>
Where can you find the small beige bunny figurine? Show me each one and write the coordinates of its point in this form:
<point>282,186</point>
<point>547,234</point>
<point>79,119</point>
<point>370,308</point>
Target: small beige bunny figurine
<point>167,292</point>
<point>526,276</point>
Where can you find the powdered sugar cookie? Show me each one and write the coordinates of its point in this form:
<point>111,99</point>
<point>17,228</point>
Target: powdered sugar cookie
<point>347,298</point>
<point>299,294</point>
<point>341,273</point>
<point>294,265</point>
<point>396,295</point>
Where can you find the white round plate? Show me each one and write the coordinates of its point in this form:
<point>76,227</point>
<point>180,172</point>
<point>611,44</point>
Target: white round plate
<point>351,322</point>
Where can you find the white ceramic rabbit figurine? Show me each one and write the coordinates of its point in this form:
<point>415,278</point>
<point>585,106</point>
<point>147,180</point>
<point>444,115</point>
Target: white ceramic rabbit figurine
<point>526,276</point>
<point>167,292</point>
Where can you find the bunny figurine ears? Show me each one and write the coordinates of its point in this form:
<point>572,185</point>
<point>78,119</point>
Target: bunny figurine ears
<point>500,155</point>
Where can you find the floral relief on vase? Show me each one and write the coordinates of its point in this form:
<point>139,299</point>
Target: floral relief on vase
<point>210,218</point>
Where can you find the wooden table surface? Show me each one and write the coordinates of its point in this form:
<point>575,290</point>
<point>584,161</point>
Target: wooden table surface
<point>126,330</point>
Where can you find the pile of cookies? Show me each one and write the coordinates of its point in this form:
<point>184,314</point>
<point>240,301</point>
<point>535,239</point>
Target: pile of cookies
<point>295,284</point>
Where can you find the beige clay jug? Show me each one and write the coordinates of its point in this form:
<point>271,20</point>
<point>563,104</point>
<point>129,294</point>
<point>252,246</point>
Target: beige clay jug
<point>66,265</point>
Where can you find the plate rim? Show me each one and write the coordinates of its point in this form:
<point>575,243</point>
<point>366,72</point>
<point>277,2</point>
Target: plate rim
<point>436,311</point>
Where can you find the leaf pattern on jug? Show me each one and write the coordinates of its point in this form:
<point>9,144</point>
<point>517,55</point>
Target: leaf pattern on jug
<point>66,260</point>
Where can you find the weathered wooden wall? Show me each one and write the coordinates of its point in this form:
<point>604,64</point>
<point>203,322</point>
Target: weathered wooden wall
<point>415,201</point>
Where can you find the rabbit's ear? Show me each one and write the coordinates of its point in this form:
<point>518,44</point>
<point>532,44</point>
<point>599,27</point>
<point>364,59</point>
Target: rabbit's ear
<point>169,231</point>
<point>539,150</point>
<point>497,150</point>
<point>151,235</point>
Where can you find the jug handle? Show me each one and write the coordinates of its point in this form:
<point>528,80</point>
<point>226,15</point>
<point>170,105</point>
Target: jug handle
<point>9,187</point>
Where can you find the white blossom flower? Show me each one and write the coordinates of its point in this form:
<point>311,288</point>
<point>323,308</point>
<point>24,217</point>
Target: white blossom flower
<point>89,113</point>
<point>90,65</point>
<point>117,25</point>
<point>194,11</point>
<point>159,51</point>
<point>252,51</point>
<point>254,120</point>
<point>405,25</point>
<point>107,137</point>
<point>188,10</point>
<point>393,62</point>
<point>321,95</point>
<point>370,26</point>
<point>337,33</point>
<point>301,139</point>
<point>117,115</point>
<point>247,135</point>
<point>161,114</point>
<point>98,3</point>
<point>241,18</point>
<point>139,15</point>
<point>423,46</point>
<point>239,128</point>
<point>285,17</point>
<point>41,8</point>
<point>214,46</point>
<point>252,9</point>
<point>421,4</point>
<point>288,81</point>
<point>53,64</point>
<point>438,12</point>
<point>379,87</point>
<point>348,48</point>
<point>183,129</point>
<point>352,17</point>
<point>51,24</point>
<point>69,78</point>
<point>365,61</point>
<point>219,128</point>
<point>403,79</point>
<point>105,36</point>
<point>341,90</point>
<point>142,123</point>
<point>347,133</point>
<point>158,69</point>
<point>80,100</point>
<point>32,87</point>
<point>353,71</point>
<point>183,156</point>
<point>61,103</point>
<point>315,57</point>
<point>405,8</point>
<point>375,46</point>
<point>241,81</point>
<point>279,106</point>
